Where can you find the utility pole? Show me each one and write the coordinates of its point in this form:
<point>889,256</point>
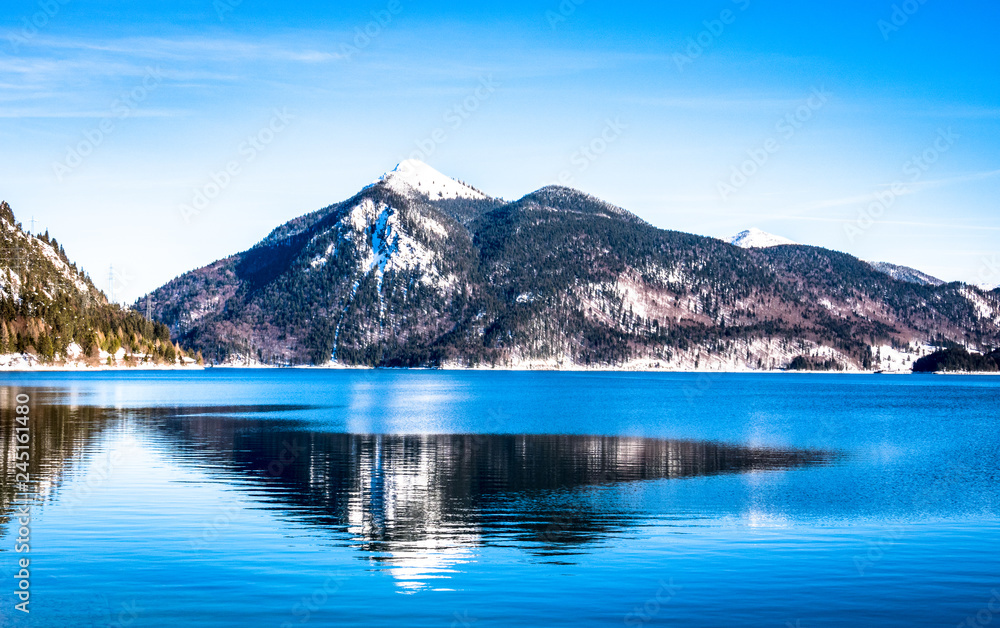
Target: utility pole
<point>32,232</point>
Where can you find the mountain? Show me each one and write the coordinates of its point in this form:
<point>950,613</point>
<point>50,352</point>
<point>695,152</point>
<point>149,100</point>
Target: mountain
<point>904,273</point>
<point>50,311</point>
<point>756,239</point>
<point>418,269</point>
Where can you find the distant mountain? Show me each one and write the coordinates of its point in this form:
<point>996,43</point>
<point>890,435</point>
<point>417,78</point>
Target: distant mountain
<point>50,311</point>
<point>418,269</point>
<point>904,273</point>
<point>757,239</point>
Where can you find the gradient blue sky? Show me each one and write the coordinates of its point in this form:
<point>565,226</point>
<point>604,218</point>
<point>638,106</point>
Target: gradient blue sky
<point>358,111</point>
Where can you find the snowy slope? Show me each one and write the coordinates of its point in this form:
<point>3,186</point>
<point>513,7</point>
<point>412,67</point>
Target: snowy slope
<point>986,304</point>
<point>757,239</point>
<point>907,274</point>
<point>416,176</point>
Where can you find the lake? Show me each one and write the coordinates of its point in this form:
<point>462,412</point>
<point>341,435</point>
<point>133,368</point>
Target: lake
<point>447,498</point>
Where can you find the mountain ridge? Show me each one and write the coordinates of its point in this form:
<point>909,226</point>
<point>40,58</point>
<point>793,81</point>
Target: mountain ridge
<point>396,276</point>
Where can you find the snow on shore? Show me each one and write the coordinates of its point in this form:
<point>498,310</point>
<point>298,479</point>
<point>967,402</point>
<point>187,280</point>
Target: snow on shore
<point>74,360</point>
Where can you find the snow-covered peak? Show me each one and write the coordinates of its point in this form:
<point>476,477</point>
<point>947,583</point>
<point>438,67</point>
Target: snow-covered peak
<point>757,239</point>
<point>413,175</point>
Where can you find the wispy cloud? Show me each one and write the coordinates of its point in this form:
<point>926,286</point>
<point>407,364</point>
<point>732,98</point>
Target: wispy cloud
<point>193,48</point>
<point>66,77</point>
<point>718,103</point>
<point>96,114</point>
<point>906,223</point>
<point>908,189</point>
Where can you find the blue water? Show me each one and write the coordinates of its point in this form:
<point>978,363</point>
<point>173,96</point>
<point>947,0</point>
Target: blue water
<point>428,498</point>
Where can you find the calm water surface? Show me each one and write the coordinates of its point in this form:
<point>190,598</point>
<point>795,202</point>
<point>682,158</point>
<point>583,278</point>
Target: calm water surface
<point>426,498</point>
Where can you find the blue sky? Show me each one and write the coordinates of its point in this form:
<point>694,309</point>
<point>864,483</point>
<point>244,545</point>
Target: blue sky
<point>867,127</point>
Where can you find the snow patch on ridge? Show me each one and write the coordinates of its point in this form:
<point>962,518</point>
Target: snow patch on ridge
<point>756,239</point>
<point>907,274</point>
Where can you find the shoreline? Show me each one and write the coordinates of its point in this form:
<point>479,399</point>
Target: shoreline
<point>96,369</point>
<point>526,369</point>
<point>21,363</point>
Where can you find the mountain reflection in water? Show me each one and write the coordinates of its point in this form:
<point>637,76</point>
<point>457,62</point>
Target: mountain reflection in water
<point>416,505</point>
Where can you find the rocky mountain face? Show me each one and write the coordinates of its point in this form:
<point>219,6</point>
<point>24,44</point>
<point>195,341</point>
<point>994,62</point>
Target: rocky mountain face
<point>50,310</point>
<point>421,270</point>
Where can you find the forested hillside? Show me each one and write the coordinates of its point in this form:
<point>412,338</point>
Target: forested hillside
<point>51,312</point>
